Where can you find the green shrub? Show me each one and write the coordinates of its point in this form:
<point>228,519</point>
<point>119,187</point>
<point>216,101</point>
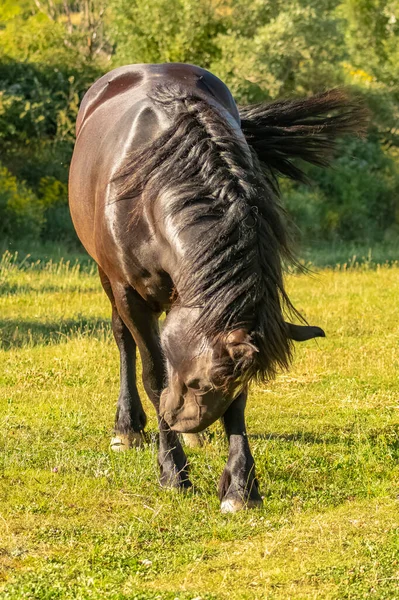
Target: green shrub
<point>26,215</point>
<point>21,212</point>
<point>54,196</point>
<point>356,199</point>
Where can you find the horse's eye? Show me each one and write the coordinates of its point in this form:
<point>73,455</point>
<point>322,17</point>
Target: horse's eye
<point>194,384</point>
<point>199,387</point>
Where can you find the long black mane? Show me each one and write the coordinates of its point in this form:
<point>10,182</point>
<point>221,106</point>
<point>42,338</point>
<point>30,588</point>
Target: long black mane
<point>225,204</point>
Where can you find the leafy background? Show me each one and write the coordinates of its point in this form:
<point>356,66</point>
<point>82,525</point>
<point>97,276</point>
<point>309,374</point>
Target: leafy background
<point>52,50</point>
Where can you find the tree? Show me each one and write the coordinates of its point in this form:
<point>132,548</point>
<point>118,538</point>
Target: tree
<point>164,31</point>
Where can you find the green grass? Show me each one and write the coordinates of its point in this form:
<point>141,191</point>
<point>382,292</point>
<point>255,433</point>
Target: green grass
<point>78,522</point>
<point>317,254</point>
<point>331,254</point>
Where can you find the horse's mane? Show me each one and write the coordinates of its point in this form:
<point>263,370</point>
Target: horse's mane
<point>214,184</point>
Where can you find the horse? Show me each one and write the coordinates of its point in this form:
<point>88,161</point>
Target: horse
<point>173,192</point>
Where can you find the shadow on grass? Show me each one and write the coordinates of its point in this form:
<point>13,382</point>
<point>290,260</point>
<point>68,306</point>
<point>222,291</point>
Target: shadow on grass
<point>17,334</point>
<point>303,436</point>
<point>387,436</point>
<point>14,289</point>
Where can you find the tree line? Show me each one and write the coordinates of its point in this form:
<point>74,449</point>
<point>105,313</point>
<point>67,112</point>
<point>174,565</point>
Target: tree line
<point>52,50</point>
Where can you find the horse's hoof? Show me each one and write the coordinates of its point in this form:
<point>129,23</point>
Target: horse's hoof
<point>232,505</point>
<point>124,441</point>
<point>181,484</point>
<point>193,440</point>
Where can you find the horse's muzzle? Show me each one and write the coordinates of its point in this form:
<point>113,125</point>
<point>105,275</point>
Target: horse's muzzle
<point>192,413</point>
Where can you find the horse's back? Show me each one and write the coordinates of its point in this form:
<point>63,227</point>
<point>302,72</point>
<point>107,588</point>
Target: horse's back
<point>118,116</point>
<point>132,82</point>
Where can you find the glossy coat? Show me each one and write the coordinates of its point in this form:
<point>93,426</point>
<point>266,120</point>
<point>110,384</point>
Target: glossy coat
<point>143,251</point>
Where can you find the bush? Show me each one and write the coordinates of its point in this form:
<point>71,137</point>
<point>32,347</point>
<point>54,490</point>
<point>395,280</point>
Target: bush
<point>21,212</point>
<point>54,196</point>
<point>356,199</point>
<point>26,215</point>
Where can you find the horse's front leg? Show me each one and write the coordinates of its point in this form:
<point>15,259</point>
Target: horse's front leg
<point>238,486</point>
<point>143,325</point>
<point>130,418</point>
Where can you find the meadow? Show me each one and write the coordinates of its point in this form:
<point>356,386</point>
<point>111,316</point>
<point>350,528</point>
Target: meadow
<point>79,522</point>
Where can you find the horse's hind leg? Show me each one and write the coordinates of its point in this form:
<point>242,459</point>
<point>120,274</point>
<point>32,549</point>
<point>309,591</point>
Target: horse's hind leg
<point>238,486</point>
<point>130,418</point>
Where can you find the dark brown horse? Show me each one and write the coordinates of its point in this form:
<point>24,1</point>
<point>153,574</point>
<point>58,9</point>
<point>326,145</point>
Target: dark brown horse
<point>173,193</point>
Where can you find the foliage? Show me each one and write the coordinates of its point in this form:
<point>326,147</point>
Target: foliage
<point>283,51</point>
<point>52,50</point>
<point>53,197</point>
<point>22,213</point>
<point>165,31</point>
<point>372,41</point>
<point>358,198</point>
<point>28,215</point>
<point>46,64</point>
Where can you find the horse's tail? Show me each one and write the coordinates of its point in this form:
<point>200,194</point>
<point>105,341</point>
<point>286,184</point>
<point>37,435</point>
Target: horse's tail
<point>306,129</point>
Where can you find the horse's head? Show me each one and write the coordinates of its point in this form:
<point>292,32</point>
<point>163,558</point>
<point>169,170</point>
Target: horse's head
<point>204,377</point>
<point>193,398</point>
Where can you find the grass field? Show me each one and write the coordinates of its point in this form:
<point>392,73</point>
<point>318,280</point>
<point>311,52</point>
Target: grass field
<point>78,522</point>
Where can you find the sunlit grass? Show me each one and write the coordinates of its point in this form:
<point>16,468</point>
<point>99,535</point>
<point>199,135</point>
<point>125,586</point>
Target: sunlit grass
<point>79,522</point>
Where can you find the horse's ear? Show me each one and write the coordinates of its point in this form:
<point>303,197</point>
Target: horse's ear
<point>301,333</point>
<point>239,346</point>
